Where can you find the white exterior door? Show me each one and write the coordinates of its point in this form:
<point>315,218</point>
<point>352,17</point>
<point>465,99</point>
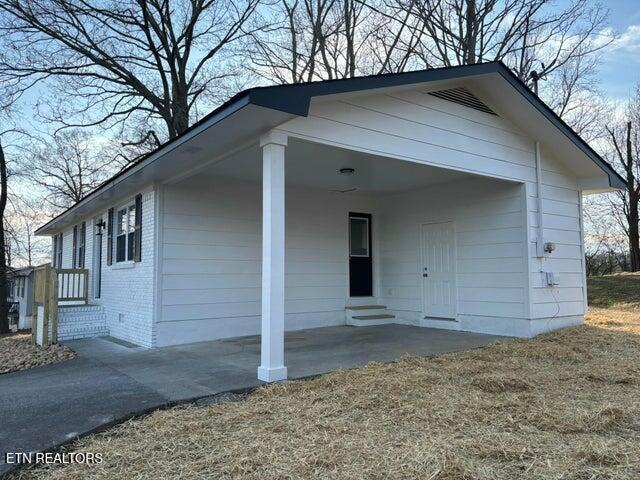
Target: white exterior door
<point>438,270</point>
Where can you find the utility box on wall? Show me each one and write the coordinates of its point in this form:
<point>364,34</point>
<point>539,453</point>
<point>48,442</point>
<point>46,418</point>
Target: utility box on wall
<point>551,278</point>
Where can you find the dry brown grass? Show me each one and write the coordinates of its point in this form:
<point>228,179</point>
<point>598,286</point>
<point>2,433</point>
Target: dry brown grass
<point>563,406</point>
<point>17,353</point>
<point>566,405</point>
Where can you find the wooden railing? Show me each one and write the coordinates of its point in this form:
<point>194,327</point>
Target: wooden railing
<point>72,285</point>
<point>53,287</point>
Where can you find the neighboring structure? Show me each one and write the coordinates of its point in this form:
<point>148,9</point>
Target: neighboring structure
<point>21,296</point>
<point>447,198</point>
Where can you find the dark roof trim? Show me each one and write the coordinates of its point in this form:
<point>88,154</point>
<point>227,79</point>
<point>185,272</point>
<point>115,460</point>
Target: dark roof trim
<point>296,98</point>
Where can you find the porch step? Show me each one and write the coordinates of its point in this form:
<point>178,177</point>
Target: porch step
<point>367,307</point>
<point>68,314</point>
<point>373,317</point>
<point>366,315</point>
<point>82,321</point>
<point>68,332</point>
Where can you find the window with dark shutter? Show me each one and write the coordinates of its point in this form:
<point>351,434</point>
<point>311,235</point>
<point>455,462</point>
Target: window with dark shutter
<point>74,252</point>
<point>82,245</point>
<point>110,237</point>
<point>137,232</point>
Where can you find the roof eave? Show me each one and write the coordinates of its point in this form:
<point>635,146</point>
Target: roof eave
<point>296,100</point>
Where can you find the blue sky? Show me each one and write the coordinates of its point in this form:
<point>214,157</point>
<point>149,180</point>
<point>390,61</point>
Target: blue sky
<point>620,69</point>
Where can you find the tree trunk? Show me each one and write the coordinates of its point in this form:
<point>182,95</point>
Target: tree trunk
<point>634,236</point>
<point>634,199</point>
<point>179,120</point>
<point>470,33</point>
<point>4,310</point>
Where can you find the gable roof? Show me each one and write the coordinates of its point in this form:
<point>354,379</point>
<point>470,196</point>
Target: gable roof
<point>293,100</point>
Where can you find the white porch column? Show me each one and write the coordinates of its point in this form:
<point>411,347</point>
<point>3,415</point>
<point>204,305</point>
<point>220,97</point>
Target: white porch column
<point>272,367</point>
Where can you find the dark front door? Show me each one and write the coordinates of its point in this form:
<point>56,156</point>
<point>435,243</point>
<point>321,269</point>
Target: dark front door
<point>360,255</point>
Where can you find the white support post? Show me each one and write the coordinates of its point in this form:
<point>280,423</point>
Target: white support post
<point>272,367</point>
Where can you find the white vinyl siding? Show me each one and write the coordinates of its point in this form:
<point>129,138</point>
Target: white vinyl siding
<point>561,220</point>
<point>490,259</point>
<point>418,127</point>
<point>211,267</point>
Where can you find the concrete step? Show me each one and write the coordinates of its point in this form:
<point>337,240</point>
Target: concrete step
<point>82,321</point>
<point>79,308</point>
<point>76,319</point>
<point>71,332</point>
<point>365,310</point>
<point>366,315</point>
<point>373,317</point>
<point>366,307</point>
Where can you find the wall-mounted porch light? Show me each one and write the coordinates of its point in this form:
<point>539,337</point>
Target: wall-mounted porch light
<point>100,227</point>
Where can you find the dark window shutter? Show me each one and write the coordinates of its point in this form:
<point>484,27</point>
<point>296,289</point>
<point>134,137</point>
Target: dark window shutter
<point>74,254</point>
<point>60,245</point>
<point>137,232</point>
<point>54,257</point>
<point>110,237</point>
<point>83,243</point>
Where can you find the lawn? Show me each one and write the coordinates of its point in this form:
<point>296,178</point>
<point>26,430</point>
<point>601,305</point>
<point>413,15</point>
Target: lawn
<point>621,291</point>
<point>563,406</point>
<point>17,353</point>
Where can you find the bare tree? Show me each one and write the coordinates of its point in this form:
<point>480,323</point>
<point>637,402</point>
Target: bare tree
<point>525,34</point>
<point>67,167</point>
<point>23,215</point>
<point>332,39</point>
<point>329,39</point>
<point>625,140</point>
<point>311,40</point>
<point>4,311</point>
<point>121,61</point>
<point>606,246</point>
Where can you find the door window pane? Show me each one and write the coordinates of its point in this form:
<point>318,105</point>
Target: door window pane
<point>358,237</point>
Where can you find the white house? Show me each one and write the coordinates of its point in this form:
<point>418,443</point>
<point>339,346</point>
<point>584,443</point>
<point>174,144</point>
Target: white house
<point>446,198</point>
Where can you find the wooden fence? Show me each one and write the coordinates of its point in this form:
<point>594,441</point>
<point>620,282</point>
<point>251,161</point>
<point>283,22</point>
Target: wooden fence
<point>53,287</point>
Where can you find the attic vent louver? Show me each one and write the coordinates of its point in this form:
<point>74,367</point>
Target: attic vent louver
<point>462,96</point>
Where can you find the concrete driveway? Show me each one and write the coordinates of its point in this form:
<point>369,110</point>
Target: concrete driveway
<point>110,381</point>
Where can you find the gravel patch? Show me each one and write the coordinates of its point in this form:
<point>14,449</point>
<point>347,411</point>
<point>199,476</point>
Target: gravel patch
<point>17,353</point>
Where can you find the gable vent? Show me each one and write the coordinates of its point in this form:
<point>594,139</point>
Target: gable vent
<point>462,96</point>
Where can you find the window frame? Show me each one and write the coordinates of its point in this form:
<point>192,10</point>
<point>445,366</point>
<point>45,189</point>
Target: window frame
<point>130,211</point>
